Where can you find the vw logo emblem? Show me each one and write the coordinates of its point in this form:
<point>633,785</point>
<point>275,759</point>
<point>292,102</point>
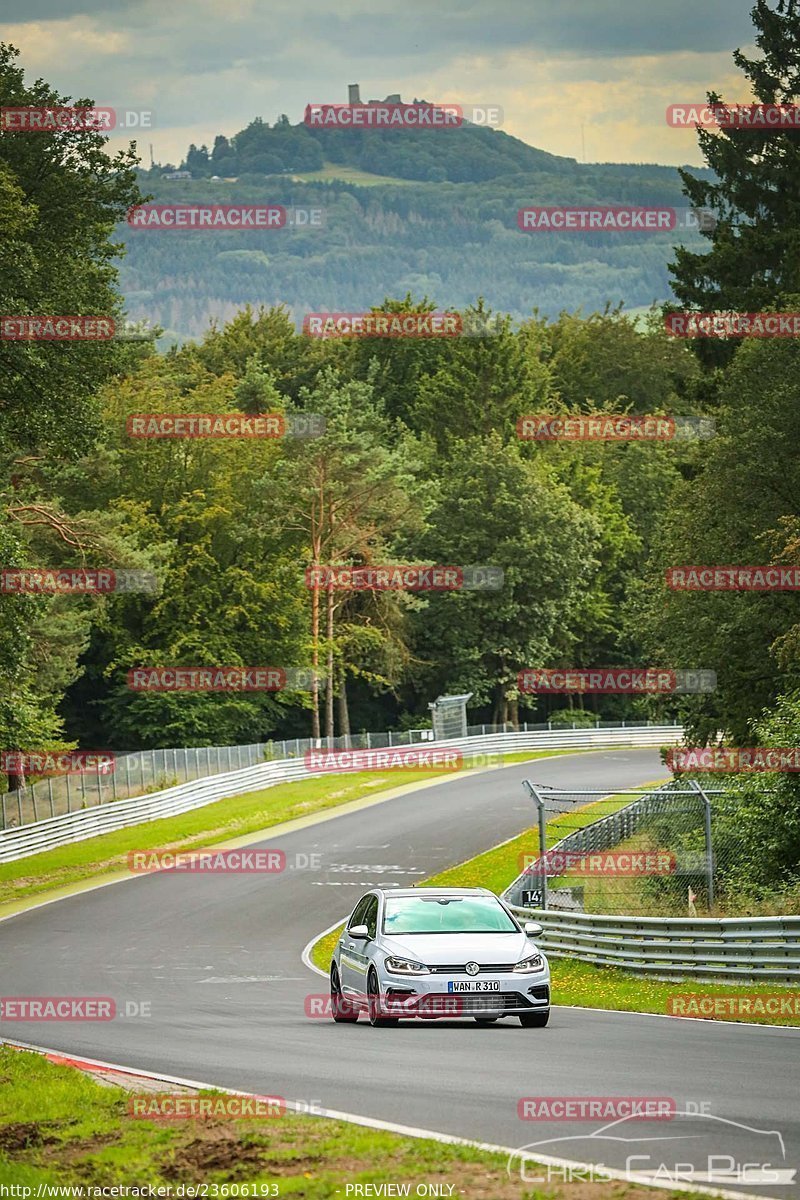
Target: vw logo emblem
<point>472,968</point>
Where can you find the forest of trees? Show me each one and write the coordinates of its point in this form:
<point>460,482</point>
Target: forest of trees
<point>451,241</point>
<point>420,462</point>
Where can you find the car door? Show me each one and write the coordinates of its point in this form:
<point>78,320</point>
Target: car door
<point>349,968</point>
<point>358,951</point>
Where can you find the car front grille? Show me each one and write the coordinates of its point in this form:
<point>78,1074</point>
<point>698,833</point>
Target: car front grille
<point>461,969</point>
<point>491,1002</point>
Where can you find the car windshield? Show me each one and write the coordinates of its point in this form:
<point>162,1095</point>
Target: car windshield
<point>446,914</point>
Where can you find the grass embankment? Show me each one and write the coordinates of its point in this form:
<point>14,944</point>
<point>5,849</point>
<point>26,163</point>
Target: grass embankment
<point>59,1127</point>
<point>350,175</point>
<point>236,817</point>
<point>574,982</point>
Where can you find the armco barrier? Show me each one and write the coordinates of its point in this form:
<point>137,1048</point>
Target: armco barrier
<point>723,950</point>
<point>119,814</point>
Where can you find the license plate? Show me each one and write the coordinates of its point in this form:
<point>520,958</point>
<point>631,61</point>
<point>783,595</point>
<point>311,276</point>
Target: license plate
<point>473,985</point>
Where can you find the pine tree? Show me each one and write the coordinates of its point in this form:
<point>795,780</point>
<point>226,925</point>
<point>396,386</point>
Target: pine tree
<point>754,260</point>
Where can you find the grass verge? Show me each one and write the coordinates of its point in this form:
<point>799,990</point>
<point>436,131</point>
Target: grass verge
<point>574,982</point>
<point>60,1127</point>
<point>222,820</point>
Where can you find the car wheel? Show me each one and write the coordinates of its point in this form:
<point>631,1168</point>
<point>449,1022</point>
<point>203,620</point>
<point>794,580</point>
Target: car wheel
<point>484,1020</point>
<point>342,1011</point>
<point>374,1010</point>
<point>534,1020</point>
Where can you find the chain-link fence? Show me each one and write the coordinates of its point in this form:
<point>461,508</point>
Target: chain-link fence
<point>639,852</point>
<point>136,774</point>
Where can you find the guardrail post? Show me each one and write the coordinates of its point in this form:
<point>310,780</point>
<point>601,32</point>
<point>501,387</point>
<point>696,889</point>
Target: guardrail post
<point>539,802</point>
<point>709,842</point>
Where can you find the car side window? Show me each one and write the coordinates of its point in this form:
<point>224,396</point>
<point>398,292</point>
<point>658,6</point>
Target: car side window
<point>371,916</point>
<point>358,912</point>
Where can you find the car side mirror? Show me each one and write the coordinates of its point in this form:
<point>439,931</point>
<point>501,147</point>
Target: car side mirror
<point>532,929</point>
<point>360,933</point>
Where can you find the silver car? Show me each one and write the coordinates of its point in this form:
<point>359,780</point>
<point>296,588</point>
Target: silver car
<point>438,952</point>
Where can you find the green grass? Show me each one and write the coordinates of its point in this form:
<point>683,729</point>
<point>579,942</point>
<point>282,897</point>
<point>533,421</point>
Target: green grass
<point>58,1126</point>
<point>575,982</point>
<point>235,817</point>
<point>350,175</point>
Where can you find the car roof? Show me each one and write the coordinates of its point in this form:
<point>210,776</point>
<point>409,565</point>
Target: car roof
<point>434,891</point>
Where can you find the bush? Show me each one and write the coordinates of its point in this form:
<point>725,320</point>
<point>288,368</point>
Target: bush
<point>573,716</point>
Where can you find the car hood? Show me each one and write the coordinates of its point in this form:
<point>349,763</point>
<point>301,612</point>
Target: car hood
<point>453,949</point>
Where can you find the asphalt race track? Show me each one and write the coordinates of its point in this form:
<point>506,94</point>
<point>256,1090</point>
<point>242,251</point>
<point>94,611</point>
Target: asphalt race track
<point>218,959</point>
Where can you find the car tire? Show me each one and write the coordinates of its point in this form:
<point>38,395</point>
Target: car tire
<point>374,1011</point>
<point>485,1020</point>
<point>534,1020</point>
<point>342,1011</point>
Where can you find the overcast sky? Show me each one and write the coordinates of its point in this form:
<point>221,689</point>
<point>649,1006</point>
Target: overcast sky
<point>210,66</point>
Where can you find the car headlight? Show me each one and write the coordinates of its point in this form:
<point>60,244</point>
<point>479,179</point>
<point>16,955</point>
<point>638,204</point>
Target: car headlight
<point>405,966</point>
<point>527,966</point>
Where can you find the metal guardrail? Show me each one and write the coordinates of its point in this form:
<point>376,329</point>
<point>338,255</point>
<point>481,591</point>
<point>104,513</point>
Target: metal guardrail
<point>139,772</point>
<point>725,949</point>
<point>17,843</point>
<point>709,949</point>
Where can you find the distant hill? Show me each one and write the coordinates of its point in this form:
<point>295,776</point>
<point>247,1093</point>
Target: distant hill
<point>467,154</point>
<point>453,237</point>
